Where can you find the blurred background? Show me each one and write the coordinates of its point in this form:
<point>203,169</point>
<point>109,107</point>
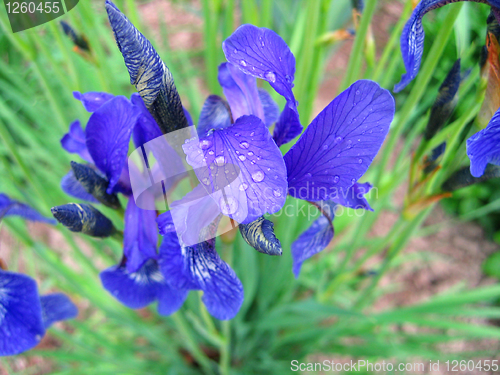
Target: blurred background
<point>414,281</point>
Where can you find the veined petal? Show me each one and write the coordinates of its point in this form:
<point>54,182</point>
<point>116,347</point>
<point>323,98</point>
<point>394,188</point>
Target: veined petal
<point>74,141</point>
<point>354,197</point>
<point>92,100</point>
<point>341,142</point>
<point>260,235</point>
<point>200,267</point>
<point>108,135</point>
<point>215,114</point>
<point>83,218</point>
<point>262,53</point>
<point>135,290</point>
<point>287,128</point>
<point>21,325</point>
<point>57,307</point>
<point>270,107</point>
<point>71,186</point>
<point>11,207</point>
<point>148,73</point>
<point>242,168</point>
<point>412,38</point>
<point>170,299</point>
<point>240,90</point>
<point>484,147</point>
<point>314,239</point>
<point>139,236</point>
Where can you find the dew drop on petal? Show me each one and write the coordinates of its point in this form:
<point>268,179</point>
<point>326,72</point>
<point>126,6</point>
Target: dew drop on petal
<point>270,76</point>
<point>336,179</point>
<point>235,51</point>
<point>277,193</point>
<point>243,63</point>
<point>258,176</point>
<point>210,152</point>
<point>360,161</point>
<point>220,161</point>
<point>338,139</point>
<point>236,134</point>
<point>308,176</point>
<point>325,147</point>
<point>206,181</point>
<point>244,144</point>
<point>252,134</point>
<point>243,186</point>
<point>242,157</point>
<point>250,153</point>
<point>228,205</point>
<point>353,181</point>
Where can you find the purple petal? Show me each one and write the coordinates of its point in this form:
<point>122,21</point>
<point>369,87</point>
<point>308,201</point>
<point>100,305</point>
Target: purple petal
<point>314,239</point>
<point>262,53</point>
<point>195,211</point>
<point>10,207</point>
<point>135,290</point>
<point>21,325</point>
<point>139,236</point>
<point>241,92</point>
<point>170,299</point>
<point>71,186</point>
<point>74,141</point>
<point>270,107</point>
<point>165,223</point>
<point>338,146</point>
<point>92,101</point>
<point>146,128</point>
<point>215,114</point>
<point>484,147</point>
<point>57,307</point>
<point>200,267</point>
<point>412,37</point>
<point>108,135</point>
<point>189,119</point>
<point>354,197</point>
<point>287,128</point>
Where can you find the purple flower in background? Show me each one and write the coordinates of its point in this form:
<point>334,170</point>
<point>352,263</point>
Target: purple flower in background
<point>10,207</point>
<point>484,147</point>
<point>24,315</point>
<point>336,149</point>
<point>412,38</point>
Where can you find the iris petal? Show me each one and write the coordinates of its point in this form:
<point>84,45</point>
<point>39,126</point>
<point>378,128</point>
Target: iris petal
<point>139,236</point>
<point>146,128</point>
<point>262,53</point>
<point>21,325</point>
<point>260,235</point>
<point>71,186</point>
<point>241,92</point>
<point>215,114</point>
<point>338,146</point>
<point>74,141</point>
<point>287,128</point>
<point>270,107</point>
<point>484,147</point>
<point>200,267</point>
<point>108,135</point>
<point>242,168</point>
<point>10,207</point>
<point>152,79</point>
<point>56,307</point>
<point>354,196</point>
<point>412,37</point>
<point>314,239</point>
<point>92,100</point>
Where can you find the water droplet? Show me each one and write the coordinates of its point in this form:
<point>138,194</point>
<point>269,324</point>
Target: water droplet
<point>353,181</point>
<point>258,176</point>
<point>243,186</point>
<point>206,181</point>
<point>235,51</point>
<point>243,63</point>
<point>288,78</point>
<point>236,134</point>
<point>277,193</point>
<point>262,43</point>
<point>242,157</point>
<point>220,161</point>
<point>252,134</point>
<point>357,92</point>
<point>338,139</point>
<point>228,205</point>
<point>250,153</point>
<point>204,144</point>
<point>360,161</point>
<point>325,147</point>
<point>210,152</point>
<point>270,76</point>
<point>349,143</point>
<point>244,144</point>
<point>336,179</point>
<point>308,176</point>
<point>252,162</point>
<point>359,139</point>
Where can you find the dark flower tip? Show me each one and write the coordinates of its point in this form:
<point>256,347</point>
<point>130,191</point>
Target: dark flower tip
<point>83,218</point>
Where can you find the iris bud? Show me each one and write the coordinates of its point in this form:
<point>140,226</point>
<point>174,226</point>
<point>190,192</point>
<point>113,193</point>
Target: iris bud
<point>83,218</point>
<point>260,235</point>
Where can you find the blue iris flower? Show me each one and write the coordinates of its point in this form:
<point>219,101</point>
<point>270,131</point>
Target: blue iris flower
<point>11,207</point>
<point>484,146</point>
<point>25,315</point>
